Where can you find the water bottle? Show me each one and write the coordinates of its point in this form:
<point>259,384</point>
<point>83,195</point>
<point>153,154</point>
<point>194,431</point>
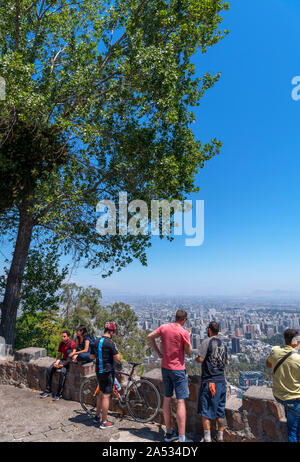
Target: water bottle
<point>117,384</point>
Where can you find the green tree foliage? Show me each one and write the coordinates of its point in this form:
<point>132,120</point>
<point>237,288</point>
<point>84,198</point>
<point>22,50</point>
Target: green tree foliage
<point>233,370</point>
<point>80,305</point>
<point>27,156</point>
<point>102,95</point>
<point>39,323</point>
<point>131,341</point>
<point>41,281</point>
<point>276,339</point>
<point>42,329</point>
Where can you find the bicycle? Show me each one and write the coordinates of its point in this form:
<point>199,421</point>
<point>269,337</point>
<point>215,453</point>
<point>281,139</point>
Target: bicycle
<point>141,397</point>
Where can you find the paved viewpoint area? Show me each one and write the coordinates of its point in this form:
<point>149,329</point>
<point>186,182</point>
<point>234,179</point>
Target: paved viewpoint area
<point>27,417</point>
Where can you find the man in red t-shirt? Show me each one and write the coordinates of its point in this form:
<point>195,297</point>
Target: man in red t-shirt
<point>175,343</point>
<point>64,349</point>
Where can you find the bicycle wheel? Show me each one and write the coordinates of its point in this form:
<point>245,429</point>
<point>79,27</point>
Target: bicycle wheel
<point>143,400</point>
<point>87,399</point>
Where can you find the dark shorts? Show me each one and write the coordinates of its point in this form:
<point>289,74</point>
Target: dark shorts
<point>106,382</point>
<point>175,380</point>
<point>212,407</point>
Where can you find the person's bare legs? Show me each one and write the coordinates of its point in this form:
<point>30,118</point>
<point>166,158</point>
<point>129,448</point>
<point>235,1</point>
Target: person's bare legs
<point>104,405</point>
<point>221,426</point>
<point>98,409</point>
<point>206,428</point>
<point>205,423</point>
<point>167,412</point>
<point>181,416</point>
<point>220,423</point>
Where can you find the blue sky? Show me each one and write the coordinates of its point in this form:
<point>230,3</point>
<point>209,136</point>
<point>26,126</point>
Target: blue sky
<point>251,190</point>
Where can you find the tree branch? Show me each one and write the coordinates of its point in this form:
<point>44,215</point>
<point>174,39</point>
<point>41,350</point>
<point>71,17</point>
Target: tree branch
<point>31,6</point>
<point>56,56</point>
<point>17,32</point>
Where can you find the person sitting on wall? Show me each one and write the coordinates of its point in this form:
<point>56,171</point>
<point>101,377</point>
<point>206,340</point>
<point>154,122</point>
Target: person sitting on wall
<point>62,363</point>
<point>82,350</point>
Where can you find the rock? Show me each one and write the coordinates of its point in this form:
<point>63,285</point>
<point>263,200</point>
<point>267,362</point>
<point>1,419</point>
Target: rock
<point>27,354</point>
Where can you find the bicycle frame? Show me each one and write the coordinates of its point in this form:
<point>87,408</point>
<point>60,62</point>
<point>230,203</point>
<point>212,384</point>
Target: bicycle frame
<point>131,397</point>
<point>121,398</point>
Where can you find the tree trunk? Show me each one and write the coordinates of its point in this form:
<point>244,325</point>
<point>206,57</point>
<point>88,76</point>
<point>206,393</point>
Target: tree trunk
<point>15,276</point>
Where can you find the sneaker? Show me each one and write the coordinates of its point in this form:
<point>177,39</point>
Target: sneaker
<point>56,397</point>
<point>97,418</point>
<point>204,441</point>
<point>45,394</point>
<point>106,424</point>
<point>173,435</point>
<point>187,440</point>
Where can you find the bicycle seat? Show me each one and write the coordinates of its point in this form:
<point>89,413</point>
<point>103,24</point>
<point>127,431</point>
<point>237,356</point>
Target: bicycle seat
<point>135,364</point>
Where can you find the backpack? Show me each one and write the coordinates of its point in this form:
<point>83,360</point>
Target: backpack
<point>92,340</point>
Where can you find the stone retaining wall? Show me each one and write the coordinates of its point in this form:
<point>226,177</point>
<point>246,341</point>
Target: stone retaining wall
<point>256,417</point>
<point>29,366</point>
<point>28,369</point>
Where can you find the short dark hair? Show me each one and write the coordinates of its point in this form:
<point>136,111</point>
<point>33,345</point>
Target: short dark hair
<point>214,326</point>
<point>180,315</point>
<point>289,334</point>
<point>67,332</point>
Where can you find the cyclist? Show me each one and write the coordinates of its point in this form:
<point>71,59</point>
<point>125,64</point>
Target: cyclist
<point>106,353</point>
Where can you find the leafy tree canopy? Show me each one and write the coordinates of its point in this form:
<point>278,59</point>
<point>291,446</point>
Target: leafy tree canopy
<point>41,282</point>
<point>84,306</point>
<point>112,83</point>
<point>42,329</point>
<point>80,305</point>
<point>100,94</point>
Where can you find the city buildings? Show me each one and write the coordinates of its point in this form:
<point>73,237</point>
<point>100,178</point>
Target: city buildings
<point>247,327</point>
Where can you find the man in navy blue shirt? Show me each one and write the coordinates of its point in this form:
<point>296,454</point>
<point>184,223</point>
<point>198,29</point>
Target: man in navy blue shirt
<point>106,353</point>
<point>212,395</point>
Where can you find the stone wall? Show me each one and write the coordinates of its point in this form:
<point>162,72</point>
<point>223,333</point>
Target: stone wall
<point>193,421</point>
<point>256,417</point>
<point>28,369</point>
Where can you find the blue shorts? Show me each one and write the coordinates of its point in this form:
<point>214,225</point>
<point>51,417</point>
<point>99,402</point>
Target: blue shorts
<point>177,380</point>
<point>212,407</point>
